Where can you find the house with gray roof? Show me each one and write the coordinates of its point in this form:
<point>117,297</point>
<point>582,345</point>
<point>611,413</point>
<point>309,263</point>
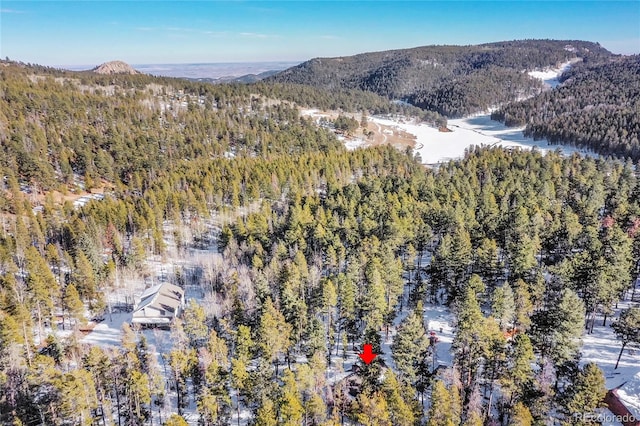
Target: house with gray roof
<point>159,305</point>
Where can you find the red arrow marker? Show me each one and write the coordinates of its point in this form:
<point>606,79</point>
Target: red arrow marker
<point>367,354</point>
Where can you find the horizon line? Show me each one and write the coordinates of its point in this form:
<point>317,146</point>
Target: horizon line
<point>84,67</point>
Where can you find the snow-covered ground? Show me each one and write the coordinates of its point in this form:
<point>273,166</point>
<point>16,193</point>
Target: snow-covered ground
<point>350,142</point>
<point>550,76</point>
<point>353,143</point>
<point>602,348</point>
<point>108,333</point>
<point>86,198</point>
<point>437,147</point>
<point>439,319</point>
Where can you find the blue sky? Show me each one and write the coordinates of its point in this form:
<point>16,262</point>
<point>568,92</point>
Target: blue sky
<point>140,32</point>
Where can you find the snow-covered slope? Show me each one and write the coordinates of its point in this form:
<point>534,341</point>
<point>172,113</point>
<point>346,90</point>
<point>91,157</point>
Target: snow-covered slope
<point>551,76</point>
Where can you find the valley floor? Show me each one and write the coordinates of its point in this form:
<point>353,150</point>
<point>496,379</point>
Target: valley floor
<point>435,146</point>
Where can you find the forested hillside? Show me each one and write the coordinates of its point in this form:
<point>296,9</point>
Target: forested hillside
<point>476,91</point>
<point>452,80</point>
<point>597,107</point>
<point>321,250</point>
<point>129,128</point>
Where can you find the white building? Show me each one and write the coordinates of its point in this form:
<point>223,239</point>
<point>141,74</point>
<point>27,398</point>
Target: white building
<point>159,305</point>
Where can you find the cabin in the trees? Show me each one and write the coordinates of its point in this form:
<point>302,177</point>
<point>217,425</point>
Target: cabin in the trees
<point>159,305</point>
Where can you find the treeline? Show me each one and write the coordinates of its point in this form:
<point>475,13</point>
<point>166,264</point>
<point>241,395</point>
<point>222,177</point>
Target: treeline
<point>597,107</point>
<point>57,128</point>
<point>348,100</point>
<point>431,75</point>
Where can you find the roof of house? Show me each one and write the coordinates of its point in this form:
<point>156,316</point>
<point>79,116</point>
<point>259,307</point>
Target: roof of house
<point>165,296</point>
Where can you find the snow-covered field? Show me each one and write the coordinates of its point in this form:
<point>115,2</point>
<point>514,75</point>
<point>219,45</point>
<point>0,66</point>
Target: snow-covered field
<point>479,130</point>
<point>437,147</point>
<point>108,333</point>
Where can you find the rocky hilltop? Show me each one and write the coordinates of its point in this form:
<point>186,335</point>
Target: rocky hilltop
<point>115,67</point>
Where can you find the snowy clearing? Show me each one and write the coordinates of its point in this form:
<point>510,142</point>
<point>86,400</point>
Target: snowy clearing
<point>373,134</point>
<point>435,146</point>
<point>551,76</point>
<point>108,333</point>
<point>352,143</point>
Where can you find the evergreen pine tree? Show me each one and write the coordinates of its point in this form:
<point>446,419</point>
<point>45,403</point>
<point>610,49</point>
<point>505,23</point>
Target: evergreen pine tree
<point>587,395</point>
<point>521,416</point>
<point>627,329</point>
<point>440,412</point>
<point>409,348</point>
<point>73,305</point>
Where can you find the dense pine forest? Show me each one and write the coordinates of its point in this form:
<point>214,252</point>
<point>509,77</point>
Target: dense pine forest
<point>321,251</point>
<point>596,107</point>
<point>477,91</point>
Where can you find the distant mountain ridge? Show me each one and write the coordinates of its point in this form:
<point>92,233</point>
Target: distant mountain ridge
<point>453,80</point>
<point>215,71</point>
<point>246,78</point>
